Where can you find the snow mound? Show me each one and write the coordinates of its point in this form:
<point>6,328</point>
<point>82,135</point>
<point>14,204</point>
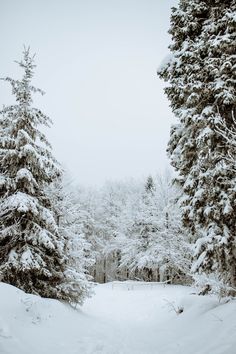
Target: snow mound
<point>122,318</point>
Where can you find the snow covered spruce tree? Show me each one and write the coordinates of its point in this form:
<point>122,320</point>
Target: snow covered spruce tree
<point>32,255</point>
<point>202,91</point>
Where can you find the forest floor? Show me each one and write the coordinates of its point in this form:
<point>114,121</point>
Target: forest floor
<point>121,318</point>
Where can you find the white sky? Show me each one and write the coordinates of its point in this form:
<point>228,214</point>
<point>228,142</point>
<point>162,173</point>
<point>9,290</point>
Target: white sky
<point>97,61</point>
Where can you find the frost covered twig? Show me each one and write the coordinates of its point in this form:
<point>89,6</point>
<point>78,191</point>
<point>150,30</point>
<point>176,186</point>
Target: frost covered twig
<point>178,310</point>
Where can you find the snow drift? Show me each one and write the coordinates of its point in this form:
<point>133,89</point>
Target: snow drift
<point>122,318</point>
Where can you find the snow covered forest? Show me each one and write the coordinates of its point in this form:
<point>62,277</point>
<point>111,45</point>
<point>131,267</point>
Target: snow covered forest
<point>172,232</point>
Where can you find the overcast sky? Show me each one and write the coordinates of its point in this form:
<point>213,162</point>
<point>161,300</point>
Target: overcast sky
<point>97,61</point>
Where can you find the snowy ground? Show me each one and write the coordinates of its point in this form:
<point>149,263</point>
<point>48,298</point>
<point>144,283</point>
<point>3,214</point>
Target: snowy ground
<point>122,318</point>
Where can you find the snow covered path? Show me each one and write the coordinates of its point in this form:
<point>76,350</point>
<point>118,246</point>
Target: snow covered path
<point>122,318</point>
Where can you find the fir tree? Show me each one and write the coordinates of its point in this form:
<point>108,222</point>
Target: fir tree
<point>202,76</point>
<point>150,186</point>
<point>32,253</point>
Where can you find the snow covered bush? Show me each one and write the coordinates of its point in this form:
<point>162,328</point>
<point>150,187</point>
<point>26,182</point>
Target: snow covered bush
<point>77,249</point>
<point>201,75</point>
<point>213,284</point>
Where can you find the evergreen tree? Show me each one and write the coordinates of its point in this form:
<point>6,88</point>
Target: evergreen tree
<point>202,76</point>
<point>32,253</point>
<point>150,186</point>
